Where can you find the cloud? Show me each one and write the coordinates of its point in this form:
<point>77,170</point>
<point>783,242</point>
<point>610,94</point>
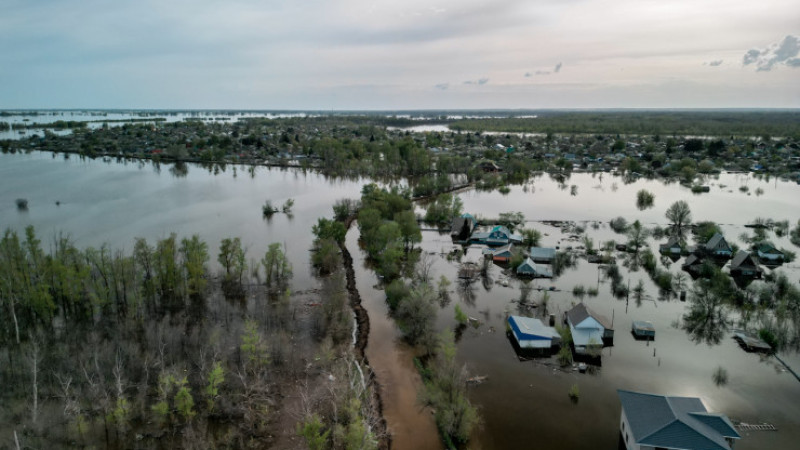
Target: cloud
<point>442,86</point>
<point>780,53</point>
<point>558,68</point>
<point>479,82</point>
<point>714,63</point>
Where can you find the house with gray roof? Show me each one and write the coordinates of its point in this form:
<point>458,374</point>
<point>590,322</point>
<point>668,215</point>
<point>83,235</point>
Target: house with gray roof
<point>651,421</point>
<point>744,265</point>
<point>544,255</point>
<point>718,246</point>
<point>588,328</point>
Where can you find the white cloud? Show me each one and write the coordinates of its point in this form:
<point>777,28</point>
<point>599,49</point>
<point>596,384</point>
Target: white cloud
<point>779,53</point>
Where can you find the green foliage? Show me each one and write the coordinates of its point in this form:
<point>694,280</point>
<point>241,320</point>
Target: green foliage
<point>215,379</point>
<point>409,228</point>
<point>329,229</point>
<point>313,431</point>
<point>443,209</point>
<point>574,393</point>
<point>253,347</point>
<point>679,215</point>
<point>579,291</point>
<point>232,258</point>
<point>194,253</point>
<point>184,402</point>
<point>461,317</point>
<point>277,268</point>
<point>445,393</point>
<point>326,257</point>
<point>531,237</point>
<point>287,206</point>
<point>416,315</point>
<point>644,199</point>
<point>396,292</point>
<point>619,225</point>
<point>268,210</point>
<point>705,230</point>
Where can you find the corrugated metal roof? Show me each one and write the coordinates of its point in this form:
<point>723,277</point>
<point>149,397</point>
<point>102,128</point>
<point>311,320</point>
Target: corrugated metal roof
<point>532,333</point>
<point>675,422</point>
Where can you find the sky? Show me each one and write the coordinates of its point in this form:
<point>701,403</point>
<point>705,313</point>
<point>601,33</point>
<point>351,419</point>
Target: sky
<point>407,54</point>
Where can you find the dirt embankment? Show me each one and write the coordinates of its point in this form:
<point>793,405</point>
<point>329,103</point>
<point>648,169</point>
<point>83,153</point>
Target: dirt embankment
<point>362,336</point>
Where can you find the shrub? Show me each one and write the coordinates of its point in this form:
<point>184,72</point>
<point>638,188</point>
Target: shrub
<point>461,317</point>
<point>574,393</point>
<point>619,225</point>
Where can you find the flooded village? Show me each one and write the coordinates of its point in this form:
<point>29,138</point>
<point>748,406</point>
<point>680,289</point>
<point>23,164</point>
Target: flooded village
<point>580,289</point>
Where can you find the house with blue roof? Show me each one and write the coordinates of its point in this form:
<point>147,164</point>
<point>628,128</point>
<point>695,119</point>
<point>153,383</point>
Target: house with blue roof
<point>651,421</point>
<point>530,333</point>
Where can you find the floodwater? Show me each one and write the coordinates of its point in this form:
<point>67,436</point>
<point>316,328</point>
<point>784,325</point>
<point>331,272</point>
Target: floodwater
<point>523,403</point>
<point>96,118</point>
<point>110,202</point>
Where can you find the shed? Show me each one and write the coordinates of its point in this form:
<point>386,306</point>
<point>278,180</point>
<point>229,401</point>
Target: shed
<point>531,269</point>
<point>643,329</point>
<point>543,255</point>
<point>530,333</point>
<point>499,254</point>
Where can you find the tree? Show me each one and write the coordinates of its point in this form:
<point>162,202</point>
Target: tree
<point>680,215</point>
<point>194,253</point>
<point>644,199</point>
<point>409,228</point>
<point>416,314</point>
<point>329,229</point>
<point>232,258</point>
<point>637,236</point>
<point>531,237</point>
<point>277,268</point>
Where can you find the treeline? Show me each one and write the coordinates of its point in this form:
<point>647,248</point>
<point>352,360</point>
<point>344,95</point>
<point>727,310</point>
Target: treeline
<point>699,123</point>
<point>105,347</point>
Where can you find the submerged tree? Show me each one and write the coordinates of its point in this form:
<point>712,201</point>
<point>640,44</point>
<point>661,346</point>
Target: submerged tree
<point>680,216</point>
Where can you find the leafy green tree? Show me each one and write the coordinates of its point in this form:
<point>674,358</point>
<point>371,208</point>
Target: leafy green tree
<point>232,257</point>
<point>409,228</point>
<point>277,267</point>
<point>313,431</point>
<point>215,379</point>
<point>329,229</point>
<point>194,253</point>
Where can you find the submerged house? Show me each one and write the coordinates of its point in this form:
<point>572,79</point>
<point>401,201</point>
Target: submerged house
<point>530,333</point>
<point>498,235</point>
<point>530,269</point>
<point>768,253</point>
<point>462,227</point>
<point>672,247</point>
<point>499,254</point>
<point>692,264</point>
<point>650,421</point>
<point>588,328</point>
<point>744,265</point>
<point>544,255</point>
<point>717,246</point>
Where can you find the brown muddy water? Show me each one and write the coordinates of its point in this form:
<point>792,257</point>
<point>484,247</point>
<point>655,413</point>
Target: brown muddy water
<point>523,403</point>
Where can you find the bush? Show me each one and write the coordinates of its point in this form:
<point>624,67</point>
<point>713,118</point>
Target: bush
<point>574,393</point>
<point>461,317</point>
<point>619,225</point>
<point>396,292</point>
<point>644,199</point>
<point>268,209</point>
